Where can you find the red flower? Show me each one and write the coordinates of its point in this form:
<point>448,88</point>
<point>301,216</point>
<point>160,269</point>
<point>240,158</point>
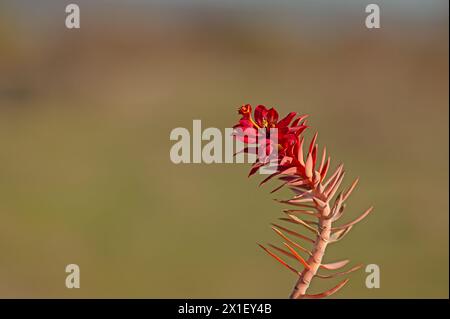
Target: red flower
<point>269,133</point>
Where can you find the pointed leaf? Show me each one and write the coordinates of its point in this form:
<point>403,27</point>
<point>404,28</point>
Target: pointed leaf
<point>322,162</point>
<point>291,232</point>
<point>281,261</point>
<point>335,265</point>
<point>269,178</point>
<point>300,152</point>
<point>336,207</point>
<point>288,178</point>
<point>301,211</point>
<point>324,171</point>
<point>339,234</point>
<point>255,168</point>
<point>286,120</point>
<point>299,258</point>
<point>294,204</point>
<point>339,213</point>
<point>309,166</point>
<point>298,120</point>
<point>301,200</point>
<point>357,220</point>
<point>316,178</point>
<point>279,233</point>
<point>329,193</point>
<point>320,203</point>
<point>314,154</point>
<point>304,224</point>
<point>328,292</point>
<point>334,176</point>
<point>281,250</point>
<point>278,187</point>
<point>299,182</point>
<point>304,194</point>
<point>350,190</point>
<point>340,273</point>
<point>313,142</point>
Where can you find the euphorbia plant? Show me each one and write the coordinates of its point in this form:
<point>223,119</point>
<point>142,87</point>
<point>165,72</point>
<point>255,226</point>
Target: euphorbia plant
<point>315,194</point>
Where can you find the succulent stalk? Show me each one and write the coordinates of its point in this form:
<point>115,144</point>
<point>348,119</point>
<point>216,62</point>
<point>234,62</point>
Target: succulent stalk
<point>315,260</point>
<point>314,197</point>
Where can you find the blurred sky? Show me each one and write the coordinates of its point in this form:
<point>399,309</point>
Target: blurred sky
<point>405,9</point>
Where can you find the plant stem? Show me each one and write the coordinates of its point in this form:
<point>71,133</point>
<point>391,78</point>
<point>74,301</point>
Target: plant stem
<point>318,251</point>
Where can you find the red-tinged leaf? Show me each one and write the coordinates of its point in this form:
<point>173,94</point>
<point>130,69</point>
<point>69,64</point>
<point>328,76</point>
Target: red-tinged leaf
<point>320,188</point>
<point>286,160</point>
<point>340,273</point>
<point>309,166</point>
<point>289,220</point>
<point>324,171</point>
<point>309,222</point>
<point>316,178</point>
<point>297,220</point>
<point>289,171</point>
<point>297,130</point>
<point>279,233</point>
<point>300,200</point>
<point>320,203</point>
<point>294,204</point>
<point>293,233</point>
<point>298,120</point>
<point>300,152</point>
<point>339,213</point>
<point>298,182</point>
<point>336,186</point>
<point>301,211</point>
<point>281,261</point>
<point>303,194</point>
<point>297,256</point>
<point>286,120</point>
<point>313,142</point>
<point>288,178</point>
<point>336,206</point>
<point>255,168</point>
<point>299,189</point>
<point>281,250</point>
<point>328,292</point>
<point>336,265</point>
<point>269,178</point>
<point>339,234</point>
<point>322,162</point>
<point>335,174</point>
<point>302,117</point>
<point>279,187</point>
<point>314,155</point>
<point>295,123</point>
<point>357,220</point>
<point>350,190</point>
<point>333,187</point>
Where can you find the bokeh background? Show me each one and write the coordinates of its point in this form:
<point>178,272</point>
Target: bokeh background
<point>85,117</point>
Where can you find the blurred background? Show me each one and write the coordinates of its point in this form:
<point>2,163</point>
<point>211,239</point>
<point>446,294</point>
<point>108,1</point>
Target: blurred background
<point>85,117</point>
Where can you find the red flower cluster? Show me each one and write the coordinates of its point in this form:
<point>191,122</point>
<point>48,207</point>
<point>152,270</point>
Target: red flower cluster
<point>265,130</point>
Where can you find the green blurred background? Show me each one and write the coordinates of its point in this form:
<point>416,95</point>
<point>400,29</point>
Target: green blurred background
<point>85,117</point>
